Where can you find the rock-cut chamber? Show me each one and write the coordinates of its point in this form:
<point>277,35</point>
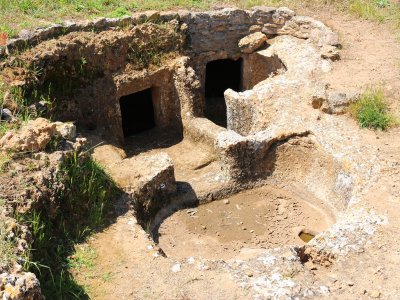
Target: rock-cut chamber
<point>137,112</point>
<point>221,75</point>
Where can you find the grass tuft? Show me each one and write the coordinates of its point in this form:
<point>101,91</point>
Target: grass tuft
<point>153,52</point>
<point>84,257</point>
<point>369,10</point>
<point>371,110</point>
<point>19,102</point>
<point>5,160</point>
<point>119,12</point>
<point>7,255</point>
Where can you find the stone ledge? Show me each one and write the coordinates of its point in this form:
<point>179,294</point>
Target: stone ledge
<point>275,21</point>
<point>148,180</point>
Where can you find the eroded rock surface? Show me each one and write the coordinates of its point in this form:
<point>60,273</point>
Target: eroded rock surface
<point>252,42</point>
<point>20,286</point>
<point>36,135</point>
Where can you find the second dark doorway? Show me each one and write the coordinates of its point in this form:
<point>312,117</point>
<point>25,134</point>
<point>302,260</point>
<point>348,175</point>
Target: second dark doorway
<point>221,75</point>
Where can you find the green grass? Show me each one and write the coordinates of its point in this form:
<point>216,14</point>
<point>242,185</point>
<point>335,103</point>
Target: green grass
<point>7,247</point>
<point>373,10</point>
<point>371,110</point>
<point>119,12</point>
<point>19,101</point>
<point>5,159</point>
<point>19,14</point>
<point>86,194</point>
<point>106,277</point>
<point>5,127</point>
<point>88,188</point>
<point>366,10</point>
<point>84,257</point>
<point>47,258</point>
<point>152,52</point>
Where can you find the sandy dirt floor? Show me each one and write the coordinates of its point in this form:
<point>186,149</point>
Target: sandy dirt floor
<point>262,218</point>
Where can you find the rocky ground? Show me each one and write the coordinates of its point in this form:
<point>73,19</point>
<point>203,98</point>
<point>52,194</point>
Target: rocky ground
<point>24,188</point>
<point>357,257</point>
<point>247,245</point>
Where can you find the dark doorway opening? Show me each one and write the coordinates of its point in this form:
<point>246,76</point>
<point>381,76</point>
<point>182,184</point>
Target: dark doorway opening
<point>137,112</point>
<point>221,75</point>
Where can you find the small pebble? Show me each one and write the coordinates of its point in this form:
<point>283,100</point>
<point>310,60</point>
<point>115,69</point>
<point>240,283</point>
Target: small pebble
<point>226,201</point>
<point>176,268</point>
<point>190,260</point>
<point>374,294</point>
<point>249,274</point>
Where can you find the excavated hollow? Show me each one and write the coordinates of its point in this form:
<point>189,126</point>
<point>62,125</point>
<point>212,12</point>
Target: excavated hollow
<point>253,220</point>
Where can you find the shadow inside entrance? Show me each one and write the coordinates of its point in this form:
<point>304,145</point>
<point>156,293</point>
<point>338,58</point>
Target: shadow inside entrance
<point>156,138</point>
<point>221,75</point>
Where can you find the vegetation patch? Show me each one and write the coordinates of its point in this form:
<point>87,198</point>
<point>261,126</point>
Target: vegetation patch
<point>84,257</point>
<point>367,10</point>
<point>24,103</point>
<point>374,10</point>
<point>5,159</point>
<point>146,52</point>
<point>6,126</point>
<point>85,195</point>
<point>371,110</point>
<point>119,12</point>
<point>7,248</point>
<point>20,14</point>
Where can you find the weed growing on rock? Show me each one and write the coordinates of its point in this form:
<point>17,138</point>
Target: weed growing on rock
<point>145,53</point>
<point>6,126</point>
<point>54,144</point>
<point>371,110</point>
<point>7,255</point>
<point>23,105</point>
<point>5,159</point>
